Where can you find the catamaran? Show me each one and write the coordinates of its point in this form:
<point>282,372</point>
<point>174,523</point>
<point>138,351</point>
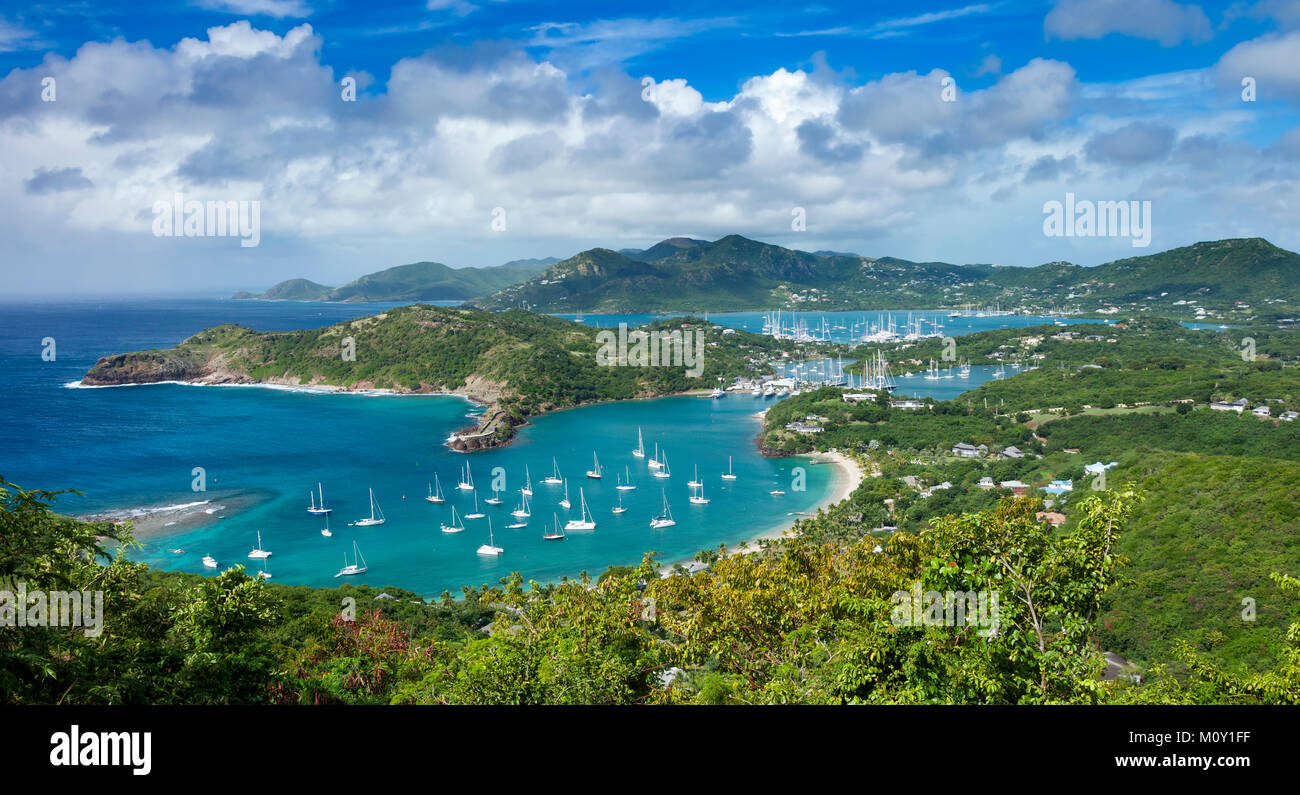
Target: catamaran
<point>639,452</point>
<point>467,482</point>
<point>490,548</point>
<point>586,522</point>
<point>258,553</point>
<point>494,499</point>
<point>523,511</point>
<point>662,471</point>
<point>619,508</point>
<point>728,475</point>
<point>325,531</point>
<point>695,481</point>
<point>527,490</point>
<point>476,514</point>
<point>456,525</point>
<point>699,498</point>
<point>314,508</point>
<point>357,566</point>
<point>626,486</point>
<point>554,478</point>
<point>376,514</point>
<point>664,519</point>
<point>209,562</point>
<point>564,503</point>
<point>556,533</point>
<point>594,473</point>
<point>435,491</point>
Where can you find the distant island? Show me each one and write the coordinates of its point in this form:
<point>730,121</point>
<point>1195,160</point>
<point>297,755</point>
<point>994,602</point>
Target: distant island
<point>418,281</point>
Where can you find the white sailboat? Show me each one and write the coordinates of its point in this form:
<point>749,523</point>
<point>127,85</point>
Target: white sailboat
<point>258,553</point>
<point>662,471</point>
<point>376,514</point>
<point>587,522</point>
<point>456,525</point>
<point>435,491</point>
<point>619,508</point>
<point>554,478</point>
<point>467,482</point>
<point>654,463</point>
<point>325,531</point>
<point>490,548</point>
<point>318,509</point>
<point>524,510</point>
<point>555,533</point>
<point>264,574</point>
<point>477,514</point>
<point>209,562</point>
<point>357,566</point>
<point>695,481</point>
<point>728,475</point>
<point>527,490</point>
<point>697,496</point>
<point>626,486</point>
<point>639,452</point>
<point>494,499</point>
<point>564,503</point>
<point>595,472</point>
<point>664,519</point>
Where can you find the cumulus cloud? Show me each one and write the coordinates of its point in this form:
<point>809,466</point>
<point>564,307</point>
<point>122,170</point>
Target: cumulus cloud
<point>1164,21</point>
<point>1273,60</point>
<point>56,180</point>
<point>1132,144</point>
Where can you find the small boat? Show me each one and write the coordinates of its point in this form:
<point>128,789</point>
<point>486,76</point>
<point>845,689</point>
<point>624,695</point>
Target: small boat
<point>586,522</point>
<point>595,472</point>
<point>756,391</point>
<point>516,525</point>
<point>490,548</point>
<point>258,553</point>
<point>699,498</point>
<point>524,510</point>
<point>717,393</point>
<point>556,533</point>
<point>325,531</point>
<point>376,514</point>
<point>564,503</point>
<point>695,481</point>
<point>554,478</point>
<point>662,471</point>
<point>264,574</point>
<point>619,508</point>
<point>177,551</point>
<point>467,482</point>
<point>728,475</point>
<point>314,508</point>
<point>456,525</point>
<point>209,562</point>
<point>527,490</point>
<point>639,452</point>
<point>357,566</point>
<point>777,493</point>
<point>435,492</point>
<point>664,519</point>
<point>477,514</point>
<point>494,499</point>
<point>626,486</point>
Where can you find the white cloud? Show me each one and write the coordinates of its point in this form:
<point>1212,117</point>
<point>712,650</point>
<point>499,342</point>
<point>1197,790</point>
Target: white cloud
<point>1164,21</point>
<point>279,9</point>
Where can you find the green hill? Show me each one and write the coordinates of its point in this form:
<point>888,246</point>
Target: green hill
<point>418,281</point>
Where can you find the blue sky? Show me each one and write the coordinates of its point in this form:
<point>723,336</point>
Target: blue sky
<point>539,110</point>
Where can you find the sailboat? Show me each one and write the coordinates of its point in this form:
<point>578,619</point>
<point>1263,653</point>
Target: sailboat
<point>654,461</point>
<point>325,531</point>
<point>314,508</point>
<point>628,485</point>
<point>456,526</point>
<point>564,503</point>
<point>662,471</point>
<point>357,566</point>
<point>699,499</point>
<point>639,452</point>
<point>695,481</point>
<point>523,511</point>
<point>209,562</point>
<point>728,475</point>
<point>490,548</point>
<point>466,483</point>
<point>556,533</point>
<point>494,499</point>
<point>594,473</point>
<point>264,574</point>
<point>376,514</point>
<point>586,522</point>
<point>527,490</point>
<point>554,478</point>
<point>476,514</point>
<point>664,519</point>
<point>435,491</point>
<point>619,508</point>
<point>258,553</point>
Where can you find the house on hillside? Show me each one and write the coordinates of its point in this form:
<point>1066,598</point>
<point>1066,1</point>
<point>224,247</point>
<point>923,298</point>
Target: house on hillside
<point>1015,486</point>
<point>800,427</point>
<point>1262,411</point>
<point>1288,415</point>
<point>907,404</point>
<point>1053,518</point>
<point>1238,405</point>
<point>1011,452</point>
<point>985,483</point>
<point>965,450</point>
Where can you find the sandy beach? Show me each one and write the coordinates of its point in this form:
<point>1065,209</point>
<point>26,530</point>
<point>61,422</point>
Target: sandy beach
<point>848,475</point>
